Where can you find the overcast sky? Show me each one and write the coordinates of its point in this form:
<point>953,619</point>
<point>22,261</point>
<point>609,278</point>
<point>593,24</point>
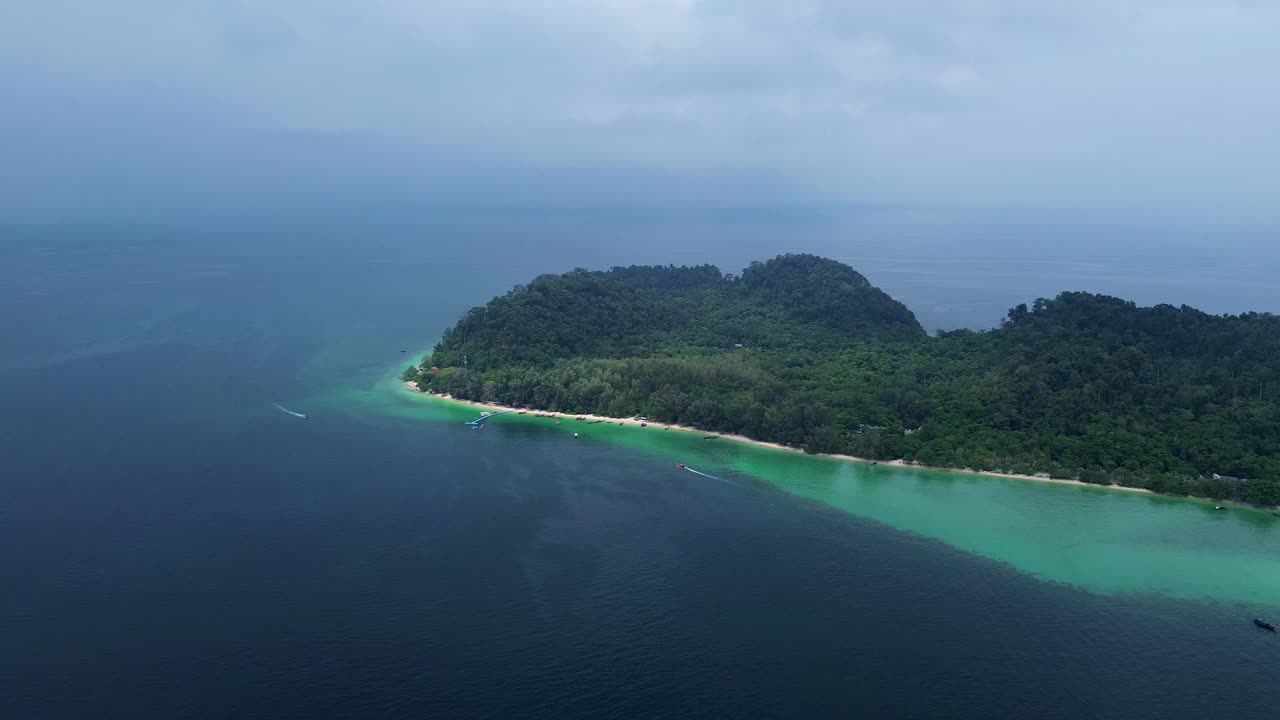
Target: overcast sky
<point>1133,109</point>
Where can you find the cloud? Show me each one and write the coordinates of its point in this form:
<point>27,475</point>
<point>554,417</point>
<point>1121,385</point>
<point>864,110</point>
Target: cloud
<point>1134,106</point>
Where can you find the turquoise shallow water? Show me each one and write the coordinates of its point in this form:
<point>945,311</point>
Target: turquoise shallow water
<point>1103,541</point>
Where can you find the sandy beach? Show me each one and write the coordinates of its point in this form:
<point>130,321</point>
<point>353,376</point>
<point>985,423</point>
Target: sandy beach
<point>494,407</point>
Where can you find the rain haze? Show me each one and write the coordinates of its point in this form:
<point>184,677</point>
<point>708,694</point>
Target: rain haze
<point>976,131</point>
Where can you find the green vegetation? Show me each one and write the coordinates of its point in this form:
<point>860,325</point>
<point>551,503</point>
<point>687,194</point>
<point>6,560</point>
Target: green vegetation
<point>1081,386</point>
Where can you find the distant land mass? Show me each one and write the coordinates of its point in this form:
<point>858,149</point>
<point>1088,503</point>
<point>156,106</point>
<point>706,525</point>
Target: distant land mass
<point>805,351</point>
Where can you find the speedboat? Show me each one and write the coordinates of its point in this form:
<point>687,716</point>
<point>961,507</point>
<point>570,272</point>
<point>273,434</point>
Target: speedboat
<point>1264,624</point>
<point>680,465</point>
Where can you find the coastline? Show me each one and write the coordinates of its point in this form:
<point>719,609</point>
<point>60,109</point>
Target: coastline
<point>495,407</point>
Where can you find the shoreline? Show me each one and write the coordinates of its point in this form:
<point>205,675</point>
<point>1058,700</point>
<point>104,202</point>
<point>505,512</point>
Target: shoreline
<point>495,407</point>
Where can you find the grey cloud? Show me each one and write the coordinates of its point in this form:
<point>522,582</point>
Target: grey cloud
<point>1140,107</point>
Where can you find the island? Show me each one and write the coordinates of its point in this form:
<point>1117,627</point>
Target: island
<point>805,352</point>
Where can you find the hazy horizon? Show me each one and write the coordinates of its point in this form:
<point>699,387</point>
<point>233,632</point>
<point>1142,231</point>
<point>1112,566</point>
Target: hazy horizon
<point>952,271</point>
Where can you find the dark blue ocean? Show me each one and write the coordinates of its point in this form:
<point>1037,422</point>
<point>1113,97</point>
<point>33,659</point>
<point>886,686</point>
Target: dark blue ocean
<point>171,546</point>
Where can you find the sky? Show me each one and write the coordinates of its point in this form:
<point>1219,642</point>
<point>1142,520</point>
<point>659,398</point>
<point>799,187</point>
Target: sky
<point>1104,108</point>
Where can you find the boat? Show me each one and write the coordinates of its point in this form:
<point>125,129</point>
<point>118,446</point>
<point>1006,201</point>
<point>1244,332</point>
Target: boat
<point>1264,624</point>
<point>711,437</point>
<point>680,465</point>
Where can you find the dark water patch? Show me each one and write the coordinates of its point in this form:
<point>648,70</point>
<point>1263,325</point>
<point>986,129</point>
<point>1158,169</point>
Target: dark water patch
<point>172,546</point>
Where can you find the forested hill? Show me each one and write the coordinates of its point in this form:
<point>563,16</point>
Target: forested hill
<point>792,302</point>
<point>805,351</point>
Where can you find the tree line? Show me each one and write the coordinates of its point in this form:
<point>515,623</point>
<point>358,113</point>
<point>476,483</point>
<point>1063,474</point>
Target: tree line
<point>804,351</point>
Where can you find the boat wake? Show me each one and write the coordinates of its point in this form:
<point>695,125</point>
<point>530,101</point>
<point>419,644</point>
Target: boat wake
<point>713,477</point>
<point>479,422</point>
<point>284,409</point>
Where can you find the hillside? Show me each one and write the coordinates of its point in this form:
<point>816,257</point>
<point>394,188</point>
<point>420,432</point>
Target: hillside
<point>805,351</point>
<point>793,302</point>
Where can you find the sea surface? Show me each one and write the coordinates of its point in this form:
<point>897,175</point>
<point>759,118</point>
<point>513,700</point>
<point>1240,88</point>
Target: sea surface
<point>173,545</point>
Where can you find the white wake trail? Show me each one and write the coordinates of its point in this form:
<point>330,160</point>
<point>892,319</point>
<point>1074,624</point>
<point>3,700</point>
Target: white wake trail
<point>282,408</point>
<point>713,477</point>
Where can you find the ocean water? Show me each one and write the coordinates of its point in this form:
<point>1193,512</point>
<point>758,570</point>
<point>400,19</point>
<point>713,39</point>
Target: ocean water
<point>172,545</point>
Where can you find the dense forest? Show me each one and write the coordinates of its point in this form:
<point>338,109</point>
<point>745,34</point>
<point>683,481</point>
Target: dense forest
<point>804,351</point>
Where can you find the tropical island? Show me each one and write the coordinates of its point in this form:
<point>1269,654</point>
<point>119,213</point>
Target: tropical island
<point>805,352</point>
